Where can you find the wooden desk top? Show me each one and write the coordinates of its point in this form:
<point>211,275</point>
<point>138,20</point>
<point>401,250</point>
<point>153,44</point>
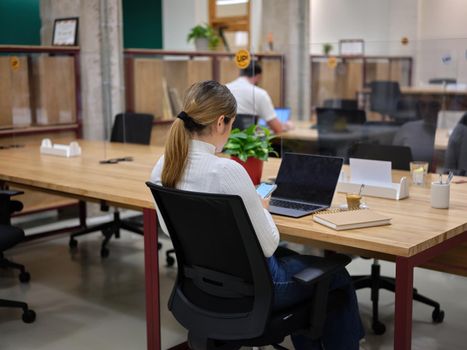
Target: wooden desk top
<point>415,225</point>
<point>302,132</point>
<point>121,184</point>
<point>423,90</point>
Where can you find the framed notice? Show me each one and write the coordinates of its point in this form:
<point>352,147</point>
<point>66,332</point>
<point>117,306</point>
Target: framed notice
<point>65,32</point>
<point>352,47</point>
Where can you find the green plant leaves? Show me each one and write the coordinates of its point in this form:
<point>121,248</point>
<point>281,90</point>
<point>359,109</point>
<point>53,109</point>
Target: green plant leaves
<point>252,142</point>
<point>204,31</point>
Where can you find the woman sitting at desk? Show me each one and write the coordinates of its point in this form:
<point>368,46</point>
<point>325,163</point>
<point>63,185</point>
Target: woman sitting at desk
<point>190,164</point>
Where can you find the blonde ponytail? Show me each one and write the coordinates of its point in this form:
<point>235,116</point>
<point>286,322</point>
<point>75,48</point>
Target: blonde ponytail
<point>176,152</point>
<point>204,103</point>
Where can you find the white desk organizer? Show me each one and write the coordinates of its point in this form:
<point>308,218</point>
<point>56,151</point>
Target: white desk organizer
<point>71,150</point>
<point>377,178</point>
<point>392,191</point>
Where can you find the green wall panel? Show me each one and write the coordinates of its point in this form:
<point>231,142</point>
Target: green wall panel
<point>20,22</point>
<point>142,24</point>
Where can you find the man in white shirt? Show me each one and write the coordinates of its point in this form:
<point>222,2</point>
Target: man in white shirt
<point>254,100</point>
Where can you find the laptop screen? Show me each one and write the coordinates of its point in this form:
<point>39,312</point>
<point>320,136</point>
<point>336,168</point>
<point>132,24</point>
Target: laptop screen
<point>283,114</point>
<point>308,178</point>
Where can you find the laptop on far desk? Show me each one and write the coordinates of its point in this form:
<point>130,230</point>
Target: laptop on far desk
<point>305,184</point>
<point>283,115</point>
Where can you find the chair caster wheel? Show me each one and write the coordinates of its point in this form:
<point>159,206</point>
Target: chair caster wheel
<point>29,316</point>
<point>437,315</point>
<point>170,261</point>
<point>24,277</point>
<point>104,253</point>
<point>378,328</point>
<point>73,243</point>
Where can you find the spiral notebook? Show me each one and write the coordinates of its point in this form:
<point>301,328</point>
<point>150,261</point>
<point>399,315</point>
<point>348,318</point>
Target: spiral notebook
<point>349,219</point>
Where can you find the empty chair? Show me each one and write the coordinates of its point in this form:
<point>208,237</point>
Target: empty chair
<point>244,121</point>
<point>386,99</point>
<point>127,128</point>
<point>456,153</point>
<point>399,156</point>
<point>9,237</point>
<point>224,293</point>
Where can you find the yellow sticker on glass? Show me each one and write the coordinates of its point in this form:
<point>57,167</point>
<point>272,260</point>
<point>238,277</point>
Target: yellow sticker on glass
<point>332,62</point>
<point>242,59</point>
<point>14,63</point>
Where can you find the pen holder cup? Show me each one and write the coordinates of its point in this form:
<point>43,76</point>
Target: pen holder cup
<point>440,195</point>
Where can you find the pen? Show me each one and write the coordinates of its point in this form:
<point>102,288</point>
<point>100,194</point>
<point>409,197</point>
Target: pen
<point>440,178</point>
<point>450,176</point>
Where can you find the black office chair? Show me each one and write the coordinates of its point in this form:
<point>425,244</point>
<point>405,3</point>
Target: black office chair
<point>456,152</point>
<point>127,128</point>
<point>386,99</point>
<point>223,292</point>
<point>400,157</point>
<point>244,121</point>
<point>9,237</point>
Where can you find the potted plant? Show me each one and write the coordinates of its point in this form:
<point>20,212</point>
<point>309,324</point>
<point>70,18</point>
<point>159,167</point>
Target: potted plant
<point>327,48</point>
<point>250,147</point>
<point>204,37</point>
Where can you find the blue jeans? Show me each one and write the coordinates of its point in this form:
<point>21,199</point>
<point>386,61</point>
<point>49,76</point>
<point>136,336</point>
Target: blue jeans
<point>343,328</point>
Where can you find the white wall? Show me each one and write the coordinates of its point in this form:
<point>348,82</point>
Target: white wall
<point>179,17</point>
<point>442,32</point>
<point>435,29</point>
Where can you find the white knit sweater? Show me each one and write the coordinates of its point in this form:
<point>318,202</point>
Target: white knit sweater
<point>205,172</point>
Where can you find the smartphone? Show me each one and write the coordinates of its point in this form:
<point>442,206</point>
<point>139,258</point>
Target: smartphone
<point>265,189</point>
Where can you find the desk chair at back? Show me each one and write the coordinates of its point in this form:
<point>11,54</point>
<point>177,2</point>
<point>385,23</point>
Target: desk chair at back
<point>9,237</point>
<point>340,103</point>
<point>400,157</point>
<point>243,121</point>
<point>338,129</point>
<point>223,292</point>
<point>127,128</point>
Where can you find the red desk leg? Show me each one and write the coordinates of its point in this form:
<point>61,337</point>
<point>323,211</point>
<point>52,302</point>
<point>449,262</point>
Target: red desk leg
<point>403,314</point>
<point>151,272</point>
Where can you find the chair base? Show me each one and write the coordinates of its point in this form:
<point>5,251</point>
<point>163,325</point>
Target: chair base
<point>109,229</point>
<point>376,282</point>
<point>29,316</point>
<point>24,276</point>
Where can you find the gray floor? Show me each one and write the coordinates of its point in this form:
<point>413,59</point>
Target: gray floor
<point>84,302</point>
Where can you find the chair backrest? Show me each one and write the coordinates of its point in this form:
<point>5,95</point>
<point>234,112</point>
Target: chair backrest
<point>384,96</point>
<point>337,119</point>
<point>132,128</point>
<point>243,121</point>
<point>399,156</point>
<point>223,288</point>
<point>441,81</point>
<point>340,103</point>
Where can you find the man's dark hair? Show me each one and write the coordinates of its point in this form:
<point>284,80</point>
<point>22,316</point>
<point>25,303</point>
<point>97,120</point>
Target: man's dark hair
<point>253,69</point>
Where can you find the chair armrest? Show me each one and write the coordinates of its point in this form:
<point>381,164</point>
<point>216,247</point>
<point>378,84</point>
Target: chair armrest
<point>10,193</point>
<point>323,268</point>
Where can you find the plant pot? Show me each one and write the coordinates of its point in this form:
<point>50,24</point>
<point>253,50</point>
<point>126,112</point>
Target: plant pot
<point>254,168</point>
<point>202,44</point>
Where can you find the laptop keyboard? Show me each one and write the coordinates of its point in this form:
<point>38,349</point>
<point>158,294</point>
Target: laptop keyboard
<point>293,205</point>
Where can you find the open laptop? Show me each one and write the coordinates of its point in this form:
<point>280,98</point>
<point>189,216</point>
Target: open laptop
<point>305,184</point>
<point>283,114</point>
